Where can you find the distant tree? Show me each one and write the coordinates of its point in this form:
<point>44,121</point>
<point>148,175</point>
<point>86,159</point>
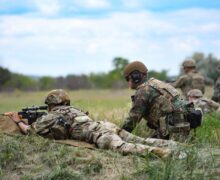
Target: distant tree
<point>5,75</point>
<point>115,77</point>
<point>77,82</point>
<point>60,82</point>
<point>209,67</point>
<point>99,80</point>
<point>46,83</point>
<point>158,75</point>
<point>119,63</point>
<point>112,79</point>
<point>20,82</point>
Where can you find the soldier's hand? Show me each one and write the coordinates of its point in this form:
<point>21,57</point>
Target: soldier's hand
<point>14,116</point>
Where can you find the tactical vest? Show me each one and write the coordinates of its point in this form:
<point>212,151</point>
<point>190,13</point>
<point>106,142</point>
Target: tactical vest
<point>169,91</point>
<point>172,94</point>
<point>176,120</point>
<point>57,124</point>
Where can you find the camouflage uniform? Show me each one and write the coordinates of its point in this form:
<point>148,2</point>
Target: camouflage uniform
<point>216,95</point>
<point>67,122</point>
<point>205,104</point>
<point>159,104</point>
<point>191,80</point>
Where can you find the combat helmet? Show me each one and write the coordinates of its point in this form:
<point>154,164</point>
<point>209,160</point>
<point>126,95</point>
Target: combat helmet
<point>56,97</point>
<point>189,63</point>
<point>195,93</point>
<point>135,66</point>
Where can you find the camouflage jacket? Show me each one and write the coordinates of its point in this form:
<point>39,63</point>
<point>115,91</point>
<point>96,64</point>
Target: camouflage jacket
<point>216,95</point>
<point>59,120</point>
<point>206,105</point>
<point>191,80</point>
<point>153,102</point>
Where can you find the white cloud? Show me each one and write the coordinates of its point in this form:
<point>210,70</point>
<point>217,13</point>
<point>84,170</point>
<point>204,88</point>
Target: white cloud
<point>132,3</point>
<point>48,7</point>
<point>14,64</point>
<point>83,45</point>
<point>93,4</point>
<point>184,44</point>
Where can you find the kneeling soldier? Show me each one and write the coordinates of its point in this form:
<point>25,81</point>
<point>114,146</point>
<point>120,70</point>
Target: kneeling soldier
<point>159,104</point>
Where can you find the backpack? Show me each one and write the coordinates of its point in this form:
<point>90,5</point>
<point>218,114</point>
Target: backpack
<point>183,111</point>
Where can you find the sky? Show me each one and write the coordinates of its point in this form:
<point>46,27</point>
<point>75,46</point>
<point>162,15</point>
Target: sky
<point>61,37</point>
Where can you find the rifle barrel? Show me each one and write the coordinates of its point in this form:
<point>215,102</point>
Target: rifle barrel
<point>35,108</point>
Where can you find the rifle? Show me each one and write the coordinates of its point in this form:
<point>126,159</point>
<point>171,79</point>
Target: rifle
<point>169,81</point>
<point>31,113</point>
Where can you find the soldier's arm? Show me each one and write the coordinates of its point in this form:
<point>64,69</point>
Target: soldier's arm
<point>214,105</point>
<point>135,115</point>
<point>16,118</point>
<point>179,82</point>
<point>43,123</point>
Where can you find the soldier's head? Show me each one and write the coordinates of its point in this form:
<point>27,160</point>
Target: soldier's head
<point>194,94</point>
<point>57,97</point>
<point>188,65</point>
<point>135,73</point>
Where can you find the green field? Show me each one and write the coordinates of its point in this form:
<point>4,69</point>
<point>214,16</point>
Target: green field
<point>31,157</point>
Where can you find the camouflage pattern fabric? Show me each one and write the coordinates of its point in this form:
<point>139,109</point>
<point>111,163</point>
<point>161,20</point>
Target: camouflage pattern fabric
<point>67,122</point>
<point>206,105</point>
<point>216,95</point>
<point>7,126</point>
<point>158,103</point>
<point>191,80</point>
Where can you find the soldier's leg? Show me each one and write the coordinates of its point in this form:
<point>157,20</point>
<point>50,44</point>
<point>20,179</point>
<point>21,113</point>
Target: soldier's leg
<point>160,142</point>
<point>124,135</point>
<point>129,137</point>
<point>114,142</point>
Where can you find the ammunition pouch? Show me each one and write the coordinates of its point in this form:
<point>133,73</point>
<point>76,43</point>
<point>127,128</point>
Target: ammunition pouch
<point>177,123</point>
<point>180,127</point>
<point>194,117</point>
<point>60,128</point>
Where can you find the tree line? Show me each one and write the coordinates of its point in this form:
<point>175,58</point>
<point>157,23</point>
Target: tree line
<point>9,81</point>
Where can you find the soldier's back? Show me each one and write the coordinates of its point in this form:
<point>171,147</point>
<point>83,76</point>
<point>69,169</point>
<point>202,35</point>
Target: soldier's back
<point>188,81</point>
<point>198,81</point>
<point>207,105</point>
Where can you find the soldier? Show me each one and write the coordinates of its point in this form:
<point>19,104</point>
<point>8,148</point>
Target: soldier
<point>191,79</point>
<point>67,122</point>
<point>205,104</point>
<point>216,95</point>
<point>159,104</point>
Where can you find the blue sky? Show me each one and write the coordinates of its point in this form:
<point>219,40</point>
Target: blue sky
<point>60,37</point>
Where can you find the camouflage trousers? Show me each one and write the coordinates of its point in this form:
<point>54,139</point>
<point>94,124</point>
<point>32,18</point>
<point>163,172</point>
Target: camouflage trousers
<point>106,135</point>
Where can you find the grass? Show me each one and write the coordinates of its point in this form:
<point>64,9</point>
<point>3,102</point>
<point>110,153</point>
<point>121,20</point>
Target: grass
<point>33,157</point>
